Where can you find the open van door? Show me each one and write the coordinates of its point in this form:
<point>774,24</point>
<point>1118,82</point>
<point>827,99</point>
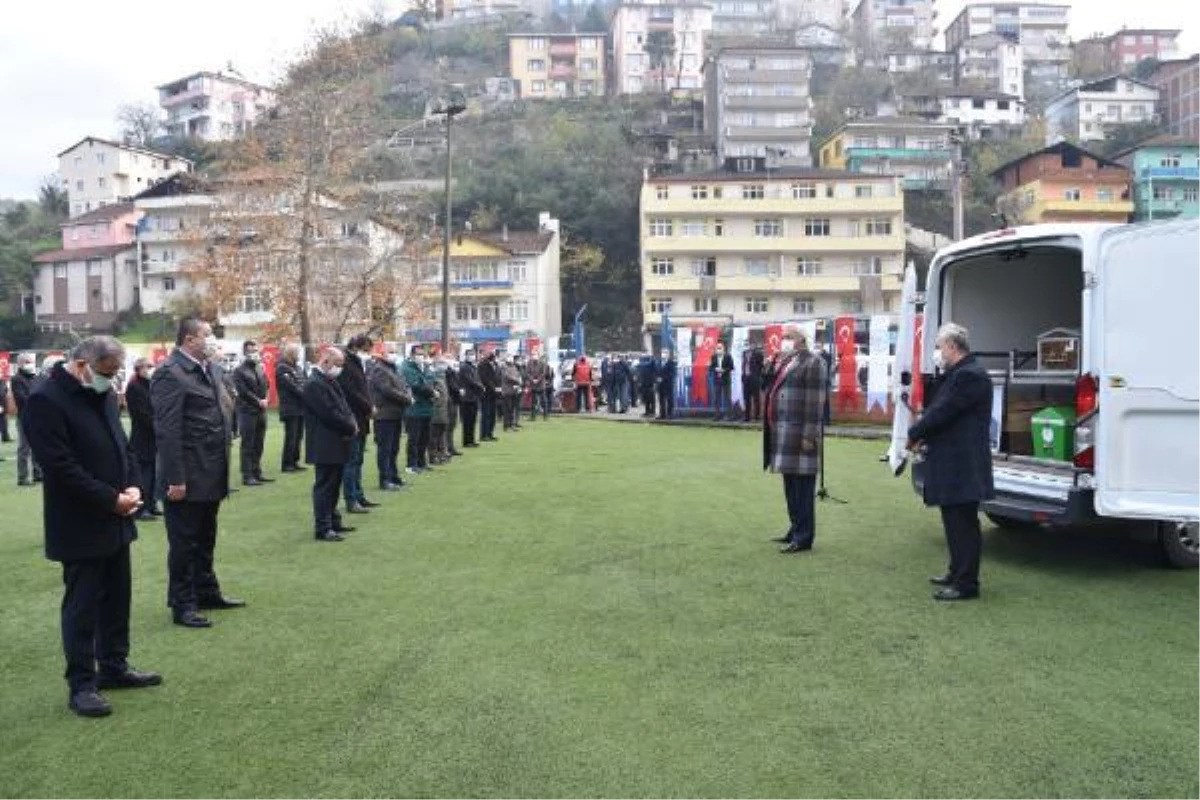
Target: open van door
<point>1147,332</point>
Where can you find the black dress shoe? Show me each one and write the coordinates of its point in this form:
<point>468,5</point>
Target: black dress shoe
<point>264,479</point>
<point>368,503</point>
<point>941,580</point>
<point>340,528</point>
<point>129,679</point>
<point>89,703</point>
<point>951,593</point>
<point>221,602</point>
<point>795,547</point>
<point>330,536</point>
<point>355,508</point>
<point>251,482</point>
<point>190,619</point>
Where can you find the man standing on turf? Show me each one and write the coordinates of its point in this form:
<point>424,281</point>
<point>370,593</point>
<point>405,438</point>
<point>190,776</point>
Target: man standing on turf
<point>792,433</point>
<point>89,498</point>
<point>192,432</point>
<point>329,441</point>
<point>955,430</point>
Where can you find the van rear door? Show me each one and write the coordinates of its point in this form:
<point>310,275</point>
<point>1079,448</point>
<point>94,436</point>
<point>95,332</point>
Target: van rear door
<point>1147,332</point>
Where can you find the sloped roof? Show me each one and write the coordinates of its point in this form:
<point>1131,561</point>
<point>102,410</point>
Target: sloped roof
<point>1159,140</point>
<point>1060,148</point>
<point>133,148</point>
<point>103,214</point>
<point>81,253</point>
<point>516,241</point>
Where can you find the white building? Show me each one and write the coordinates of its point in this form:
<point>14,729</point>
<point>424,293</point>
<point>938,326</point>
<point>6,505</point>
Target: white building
<point>171,239</point>
<point>636,25</point>
<point>796,14</point>
<point>98,172</point>
<point>214,106</point>
<point>733,17</point>
<point>1085,112</point>
<point>993,62</point>
<point>1040,29</point>
<point>981,115</point>
<point>503,285</point>
<point>894,24</point>
<point>935,63</point>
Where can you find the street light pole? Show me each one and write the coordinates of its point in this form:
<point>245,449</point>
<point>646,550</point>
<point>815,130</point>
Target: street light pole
<point>452,108</point>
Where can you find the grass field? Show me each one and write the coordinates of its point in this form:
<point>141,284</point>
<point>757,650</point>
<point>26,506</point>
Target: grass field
<point>594,609</point>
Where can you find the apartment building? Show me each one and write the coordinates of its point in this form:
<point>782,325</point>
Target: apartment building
<point>748,245</point>
<point>641,60</point>
<point>916,150</point>
<point>214,106</point>
<point>1040,29</point>
<point>1063,183</point>
<point>796,14</point>
<point>991,61</point>
<point>977,114</point>
<point>557,65</point>
<point>1178,82</point>
<point>1121,51</point>
<point>1165,172</point>
<point>86,283</point>
<point>937,64</point>
<point>97,172</point>
<point>757,104</point>
<point>1086,112</point>
<point>741,17</point>
<point>503,285</point>
<point>894,24</point>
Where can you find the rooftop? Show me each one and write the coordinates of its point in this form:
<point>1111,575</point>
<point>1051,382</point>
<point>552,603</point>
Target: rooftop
<point>103,214</point>
<point>130,147</point>
<point>81,253</point>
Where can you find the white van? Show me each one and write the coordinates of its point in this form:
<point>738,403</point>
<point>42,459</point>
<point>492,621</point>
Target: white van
<point>1123,303</point>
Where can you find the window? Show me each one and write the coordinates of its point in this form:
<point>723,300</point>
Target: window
<point>1191,194</point>
<point>660,305</point>
<point>1002,105</point>
<point>716,192</point>
<point>662,266</point>
<point>79,185</point>
<point>851,305</point>
<point>79,161</point>
<point>803,305</point>
<point>880,226</point>
<point>699,192</point>
<point>537,44</point>
<point>863,191</point>
<point>757,305</point>
<point>872,265</point>
<point>806,266</point>
<point>816,226</point>
<point>252,300</point>
<point>1162,193</point>
<point>691,227</point>
<point>99,158</point>
<point>753,192</point>
<point>518,272</point>
<point>704,267</point>
<point>536,65</point>
<point>60,270</point>
<point>1169,161</point>
<point>518,310</point>
<point>101,183</point>
<point>489,312</point>
<point>758,267</point>
<point>705,305</point>
<point>718,227</point>
<point>1104,195</point>
<point>803,191</point>
<point>1071,194</point>
<point>661,193</point>
<point>587,44</point>
<point>978,103</point>
<point>661,227</point>
<point>168,284</point>
<point>768,228</point>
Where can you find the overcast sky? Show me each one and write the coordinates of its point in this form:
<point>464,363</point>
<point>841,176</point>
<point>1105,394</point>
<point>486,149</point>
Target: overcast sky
<point>66,65</point>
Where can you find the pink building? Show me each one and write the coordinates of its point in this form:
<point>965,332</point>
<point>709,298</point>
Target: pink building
<point>93,277</point>
<point>214,106</point>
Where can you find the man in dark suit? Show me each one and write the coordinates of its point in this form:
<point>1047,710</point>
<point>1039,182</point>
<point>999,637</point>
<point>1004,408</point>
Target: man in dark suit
<point>89,498</point>
<point>752,368</point>
<point>472,392</point>
<point>289,383</point>
<point>391,397</point>
<point>331,429</point>
<point>792,432</point>
<point>665,370</point>
<point>489,376</point>
<point>720,369</point>
<point>22,386</point>
<point>252,390</point>
<point>958,458</point>
<point>141,433</point>
<point>192,433</point>
<point>353,380</point>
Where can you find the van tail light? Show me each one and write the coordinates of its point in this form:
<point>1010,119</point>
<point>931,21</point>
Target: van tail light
<point>1087,400</point>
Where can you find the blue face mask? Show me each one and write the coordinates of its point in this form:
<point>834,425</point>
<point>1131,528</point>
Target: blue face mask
<point>101,384</point>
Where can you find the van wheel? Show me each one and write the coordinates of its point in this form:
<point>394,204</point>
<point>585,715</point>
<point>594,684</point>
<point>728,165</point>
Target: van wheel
<point>1010,523</point>
<point>1179,543</point>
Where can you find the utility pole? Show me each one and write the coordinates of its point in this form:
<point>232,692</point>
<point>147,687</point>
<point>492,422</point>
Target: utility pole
<point>956,188</point>
<point>452,107</point>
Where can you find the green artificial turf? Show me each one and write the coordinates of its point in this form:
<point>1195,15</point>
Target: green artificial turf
<point>594,609</point>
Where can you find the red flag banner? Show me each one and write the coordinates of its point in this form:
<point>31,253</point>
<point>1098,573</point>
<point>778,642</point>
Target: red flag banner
<point>270,357</point>
<point>843,337</point>
<point>918,388</point>
<point>532,345</point>
<point>158,355</point>
<point>704,354</point>
<point>5,365</point>
<point>377,349</point>
<point>773,334</point>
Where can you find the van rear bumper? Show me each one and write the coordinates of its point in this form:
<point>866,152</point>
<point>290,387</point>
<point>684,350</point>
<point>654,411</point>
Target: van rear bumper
<point>1071,507</point>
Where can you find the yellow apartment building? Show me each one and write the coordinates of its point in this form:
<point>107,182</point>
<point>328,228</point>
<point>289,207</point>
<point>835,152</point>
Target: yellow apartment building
<point>557,65</point>
<point>747,245</point>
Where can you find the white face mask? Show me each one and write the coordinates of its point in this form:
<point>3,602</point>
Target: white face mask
<point>28,369</point>
<point>938,360</point>
<point>333,372</point>
<point>787,345</point>
<point>666,356</point>
<point>252,358</point>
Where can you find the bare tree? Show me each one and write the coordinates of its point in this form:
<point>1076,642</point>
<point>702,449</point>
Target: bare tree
<point>139,123</point>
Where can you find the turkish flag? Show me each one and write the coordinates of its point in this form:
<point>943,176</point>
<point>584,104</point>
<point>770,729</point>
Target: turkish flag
<point>270,357</point>
<point>5,365</point>
<point>843,337</point>
<point>532,344</point>
<point>704,354</point>
<point>918,389</point>
<point>774,334</point>
<point>158,355</point>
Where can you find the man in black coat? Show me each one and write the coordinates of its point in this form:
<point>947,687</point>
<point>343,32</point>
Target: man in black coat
<point>22,386</point>
<point>665,370</point>
<point>720,369</point>
<point>353,380</point>
<point>252,390</point>
<point>192,433</point>
<point>289,383</point>
<point>489,376</point>
<point>472,394</point>
<point>141,433</point>
<point>752,370</point>
<point>454,395</point>
<point>958,458</point>
<point>331,430</point>
<point>89,498</point>
<point>392,397</point>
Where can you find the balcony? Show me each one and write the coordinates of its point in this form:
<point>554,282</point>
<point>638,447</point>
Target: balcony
<point>742,245</point>
<point>168,101</point>
<point>490,332</point>
<point>798,76</point>
<point>562,72</point>
<point>1080,209</point>
<point>797,103</point>
<point>567,49</point>
<point>896,154</point>
<point>789,284</point>
<point>771,133</point>
<point>1165,173</point>
<point>469,288</point>
<point>783,204</point>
